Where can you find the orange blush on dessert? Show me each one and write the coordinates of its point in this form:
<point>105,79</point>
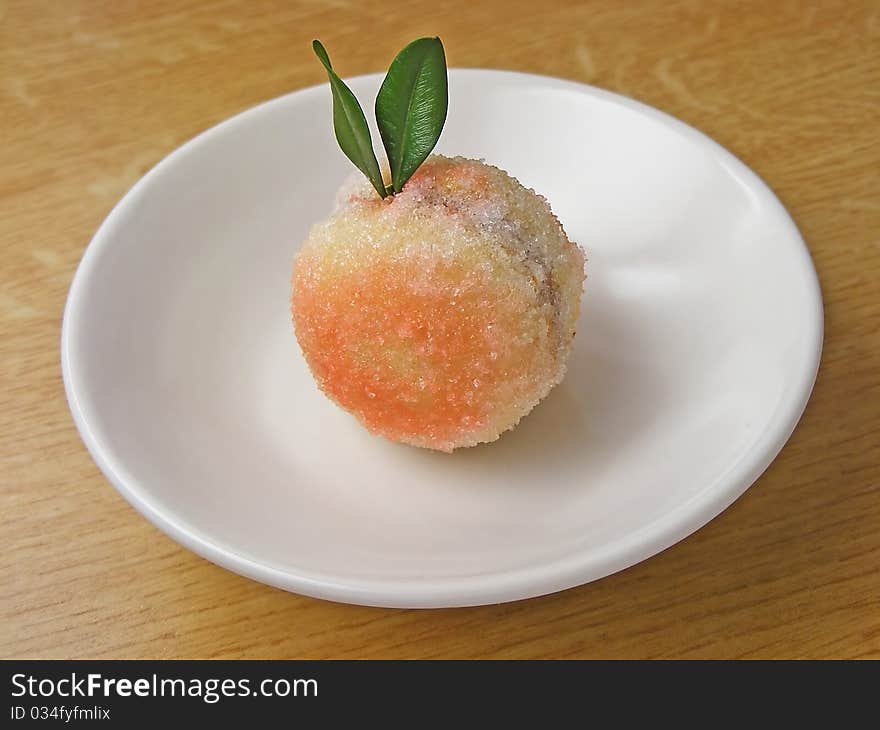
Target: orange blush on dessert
<point>438,309</point>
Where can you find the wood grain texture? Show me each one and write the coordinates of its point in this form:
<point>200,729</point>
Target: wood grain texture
<point>93,93</point>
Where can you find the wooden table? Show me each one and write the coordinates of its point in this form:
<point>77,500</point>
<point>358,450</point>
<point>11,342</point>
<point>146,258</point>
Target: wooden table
<point>93,93</point>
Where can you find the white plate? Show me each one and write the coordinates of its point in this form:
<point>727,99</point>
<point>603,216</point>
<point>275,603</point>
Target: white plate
<point>696,352</point>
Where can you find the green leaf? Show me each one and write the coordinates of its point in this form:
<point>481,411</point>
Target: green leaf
<point>350,125</point>
<point>411,107</point>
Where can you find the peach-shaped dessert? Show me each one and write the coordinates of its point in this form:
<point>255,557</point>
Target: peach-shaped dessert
<point>443,314</point>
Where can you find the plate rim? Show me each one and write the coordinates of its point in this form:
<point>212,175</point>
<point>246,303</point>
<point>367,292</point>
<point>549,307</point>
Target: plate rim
<point>573,570</point>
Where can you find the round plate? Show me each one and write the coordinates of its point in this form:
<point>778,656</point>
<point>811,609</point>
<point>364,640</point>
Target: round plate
<point>696,352</point>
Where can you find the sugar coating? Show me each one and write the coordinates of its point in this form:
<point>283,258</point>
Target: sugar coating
<point>442,315</point>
